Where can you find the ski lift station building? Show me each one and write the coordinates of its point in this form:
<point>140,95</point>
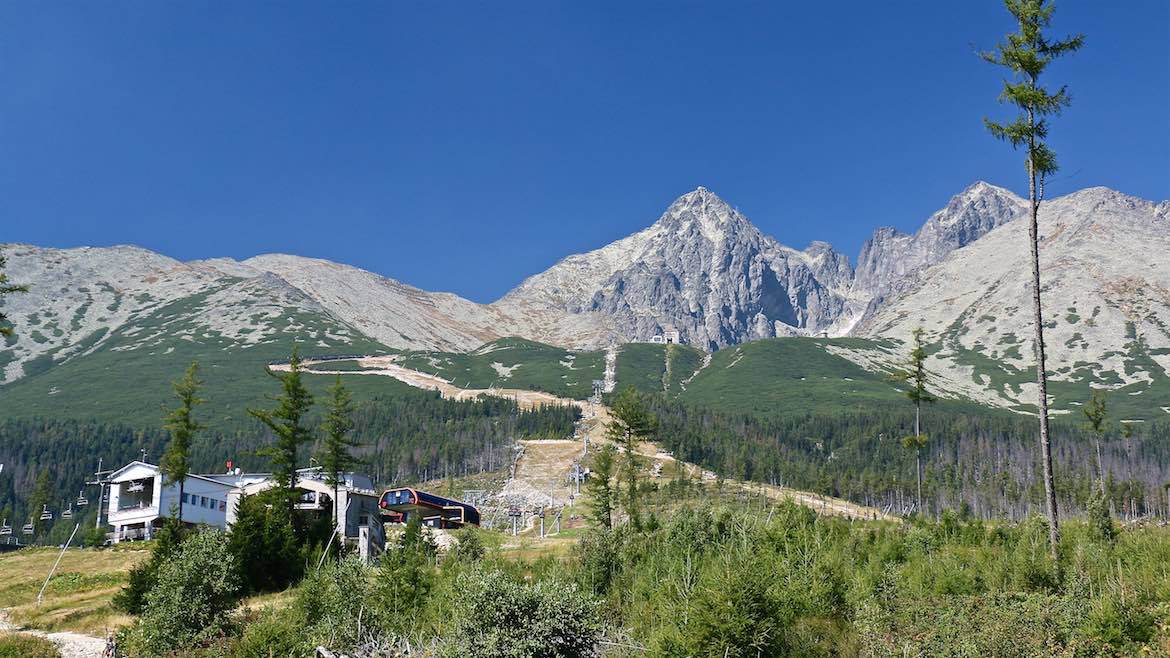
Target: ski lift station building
<point>138,500</point>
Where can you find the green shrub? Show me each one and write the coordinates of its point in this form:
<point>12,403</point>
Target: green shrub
<point>275,633</point>
<point>469,547</point>
<point>500,617</point>
<point>192,601</point>
<point>132,597</point>
<point>23,645</point>
<point>406,575</point>
<point>335,604</point>
<point>265,544</point>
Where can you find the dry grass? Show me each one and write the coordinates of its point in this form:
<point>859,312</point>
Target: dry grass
<point>77,598</point>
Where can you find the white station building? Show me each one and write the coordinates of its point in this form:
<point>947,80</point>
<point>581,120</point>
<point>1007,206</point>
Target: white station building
<point>138,500</point>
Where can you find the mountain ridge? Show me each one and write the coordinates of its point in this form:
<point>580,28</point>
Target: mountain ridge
<point>701,267</point>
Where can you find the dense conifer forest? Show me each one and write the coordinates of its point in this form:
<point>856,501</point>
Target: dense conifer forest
<point>983,463</point>
<point>404,438</point>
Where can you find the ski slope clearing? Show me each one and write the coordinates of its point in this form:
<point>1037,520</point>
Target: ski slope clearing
<point>541,469</point>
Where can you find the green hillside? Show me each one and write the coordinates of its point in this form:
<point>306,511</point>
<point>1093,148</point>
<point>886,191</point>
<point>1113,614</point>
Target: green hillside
<point>788,375</point>
<point>652,368</point>
<point>127,380</point>
<point>515,363</point>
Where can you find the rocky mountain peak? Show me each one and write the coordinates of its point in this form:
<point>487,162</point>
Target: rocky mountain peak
<point>891,256</point>
<point>702,213</point>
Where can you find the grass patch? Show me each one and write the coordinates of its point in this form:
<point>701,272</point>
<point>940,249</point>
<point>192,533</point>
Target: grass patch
<point>77,598</point>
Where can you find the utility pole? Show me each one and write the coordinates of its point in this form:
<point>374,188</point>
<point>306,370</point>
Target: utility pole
<point>100,483</point>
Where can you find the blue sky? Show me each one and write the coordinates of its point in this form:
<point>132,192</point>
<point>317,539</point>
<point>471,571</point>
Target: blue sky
<point>462,146</point>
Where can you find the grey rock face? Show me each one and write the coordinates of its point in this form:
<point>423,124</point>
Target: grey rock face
<point>890,256</point>
<point>706,270</point>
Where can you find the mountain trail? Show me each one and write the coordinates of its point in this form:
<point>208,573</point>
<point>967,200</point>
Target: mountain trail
<point>71,645</point>
<point>542,469</point>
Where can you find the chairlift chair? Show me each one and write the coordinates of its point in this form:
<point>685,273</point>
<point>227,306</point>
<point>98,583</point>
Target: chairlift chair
<point>5,529</point>
<point>46,515</point>
<point>67,513</point>
<point>135,487</point>
<point>82,501</point>
<point>28,528</point>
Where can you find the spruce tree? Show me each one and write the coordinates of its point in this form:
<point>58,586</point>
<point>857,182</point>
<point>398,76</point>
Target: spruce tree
<point>6,289</point>
<point>1027,53</point>
<point>916,377</point>
<point>180,422</point>
<point>288,425</point>
<point>631,423</point>
<point>1095,413</point>
<point>336,456</point>
<point>600,488</point>
<point>41,494</point>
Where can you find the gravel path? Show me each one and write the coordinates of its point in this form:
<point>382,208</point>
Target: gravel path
<point>71,645</point>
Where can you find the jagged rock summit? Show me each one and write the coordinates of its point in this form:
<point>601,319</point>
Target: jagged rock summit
<point>704,268</point>
<point>701,267</point>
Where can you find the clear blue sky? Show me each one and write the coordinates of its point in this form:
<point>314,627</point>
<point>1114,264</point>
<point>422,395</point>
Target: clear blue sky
<point>459,146</point>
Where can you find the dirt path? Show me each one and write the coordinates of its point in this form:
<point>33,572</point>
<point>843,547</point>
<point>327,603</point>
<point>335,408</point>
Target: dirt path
<point>71,645</point>
<point>542,469</point>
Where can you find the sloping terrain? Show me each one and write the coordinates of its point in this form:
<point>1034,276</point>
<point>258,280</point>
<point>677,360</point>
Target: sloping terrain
<point>539,478</point>
<point>1106,282</point>
<point>101,325</point>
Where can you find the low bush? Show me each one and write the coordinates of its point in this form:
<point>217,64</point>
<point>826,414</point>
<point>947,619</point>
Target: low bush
<point>132,597</point>
<point>274,633</point>
<point>23,645</point>
<point>501,617</point>
<point>193,599</point>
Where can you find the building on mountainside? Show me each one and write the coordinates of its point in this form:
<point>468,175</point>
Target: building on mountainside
<point>669,336</point>
<point>139,500</point>
<point>357,504</point>
<point>401,504</point>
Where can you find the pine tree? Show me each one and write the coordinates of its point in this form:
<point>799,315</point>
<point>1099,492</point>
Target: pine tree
<point>6,289</point>
<point>287,423</point>
<point>916,377</point>
<point>336,454</point>
<point>41,494</point>
<point>1027,54</point>
<point>180,422</point>
<point>1095,412</point>
<point>631,423</point>
<point>600,488</point>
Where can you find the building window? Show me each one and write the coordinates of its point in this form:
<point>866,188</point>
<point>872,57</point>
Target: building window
<point>203,501</point>
<point>222,506</point>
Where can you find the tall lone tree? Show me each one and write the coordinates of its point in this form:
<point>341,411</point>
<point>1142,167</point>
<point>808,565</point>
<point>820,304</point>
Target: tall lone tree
<point>631,423</point>
<point>336,454</point>
<point>916,378</point>
<point>7,289</point>
<point>288,424</point>
<point>181,423</point>
<point>1027,53</point>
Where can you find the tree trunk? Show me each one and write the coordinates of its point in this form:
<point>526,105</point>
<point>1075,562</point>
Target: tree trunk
<point>1100,469</point>
<point>181,487</point>
<point>918,450</point>
<point>1041,375</point>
